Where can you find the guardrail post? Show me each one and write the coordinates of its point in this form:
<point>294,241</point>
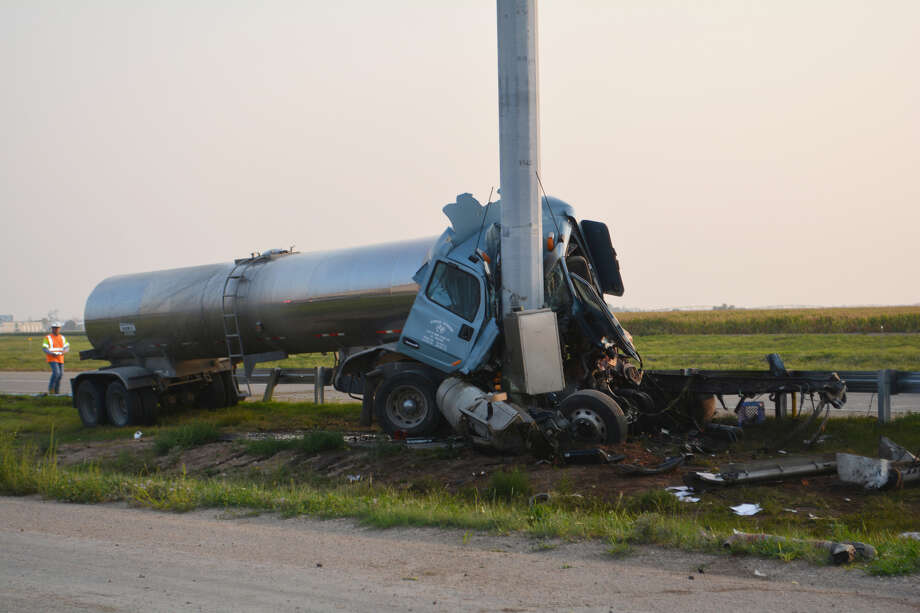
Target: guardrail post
<point>270,386</point>
<point>319,383</point>
<point>781,402</point>
<point>884,396</point>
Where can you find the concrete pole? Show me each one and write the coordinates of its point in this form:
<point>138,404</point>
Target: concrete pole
<point>519,142</point>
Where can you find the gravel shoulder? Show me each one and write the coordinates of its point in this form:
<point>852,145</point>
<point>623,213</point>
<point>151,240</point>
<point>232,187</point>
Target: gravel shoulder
<point>65,557</point>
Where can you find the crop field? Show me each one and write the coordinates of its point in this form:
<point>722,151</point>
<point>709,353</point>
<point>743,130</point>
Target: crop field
<point>799,351</point>
<point>775,321</point>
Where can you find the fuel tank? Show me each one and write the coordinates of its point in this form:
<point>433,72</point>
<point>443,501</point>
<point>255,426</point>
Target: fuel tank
<point>296,303</point>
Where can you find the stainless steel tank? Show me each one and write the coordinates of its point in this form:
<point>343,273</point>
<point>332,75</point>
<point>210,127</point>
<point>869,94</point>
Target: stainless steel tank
<point>296,303</point>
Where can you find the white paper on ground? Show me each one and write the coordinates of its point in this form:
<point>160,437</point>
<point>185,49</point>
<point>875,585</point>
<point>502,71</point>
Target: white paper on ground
<point>683,493</point>
<point>746,509</point>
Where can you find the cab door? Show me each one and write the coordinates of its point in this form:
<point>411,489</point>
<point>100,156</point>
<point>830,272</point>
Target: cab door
<point>446,317</point>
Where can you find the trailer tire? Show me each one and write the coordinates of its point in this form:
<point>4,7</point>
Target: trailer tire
<point>123,406</point>
<point>213,395</point>
<point>596,418</point>
<point>150,400</point>
<point>90,401</point>
<point>404,402</point>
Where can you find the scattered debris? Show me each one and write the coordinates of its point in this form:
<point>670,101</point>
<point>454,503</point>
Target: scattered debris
<point>747,509</point>
<point>732,434</point>
<point>910,535</point>
<point>669,464</point>
<point>353,478</point>
<point>841,552</point>
<point>875,474</point>
<point>757,573</point>
<point>683,493</point>
<point>138,435</point>
<point>591,456</point>
<point>750,412</point>
<point>889,450</point>
<point>765,471</point>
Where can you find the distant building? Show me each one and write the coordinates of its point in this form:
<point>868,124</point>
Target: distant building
<point>5,319</point>
<point>22,327</point>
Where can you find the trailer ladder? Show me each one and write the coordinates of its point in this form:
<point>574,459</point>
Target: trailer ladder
<point>230,307</point>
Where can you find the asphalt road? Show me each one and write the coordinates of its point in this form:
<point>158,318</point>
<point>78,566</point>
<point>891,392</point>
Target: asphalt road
<point>35,382</point>
<point>64,557</point>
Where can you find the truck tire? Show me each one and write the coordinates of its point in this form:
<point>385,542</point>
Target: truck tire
<point>150,401</point>
<point>404,402</point>
<point>123,406</point>
<point>90,401</point>
<point>213,395</point>
<point>596,418</point>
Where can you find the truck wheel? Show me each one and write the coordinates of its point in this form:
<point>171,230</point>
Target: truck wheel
<point>405,403</point>
<point>596,418</point>
<point>123,406</point>
<point>213,395</point>
<point>91,403</point>
<point>150,401</point>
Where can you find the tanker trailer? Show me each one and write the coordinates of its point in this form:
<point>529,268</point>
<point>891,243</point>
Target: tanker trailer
<point>193,334</point>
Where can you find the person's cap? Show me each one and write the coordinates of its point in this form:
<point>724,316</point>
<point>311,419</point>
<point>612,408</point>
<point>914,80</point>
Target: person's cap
<point>56,324</point>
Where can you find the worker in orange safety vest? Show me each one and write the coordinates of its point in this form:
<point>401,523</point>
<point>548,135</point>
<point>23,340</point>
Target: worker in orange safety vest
<point>55,346</point>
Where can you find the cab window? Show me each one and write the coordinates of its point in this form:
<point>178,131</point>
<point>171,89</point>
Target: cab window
<point>455,290</point>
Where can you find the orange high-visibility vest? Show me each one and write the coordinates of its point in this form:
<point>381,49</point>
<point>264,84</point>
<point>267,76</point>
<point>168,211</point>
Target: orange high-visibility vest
<point>55,341</point>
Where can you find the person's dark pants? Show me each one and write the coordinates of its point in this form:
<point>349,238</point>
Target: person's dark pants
<point>57,373</point>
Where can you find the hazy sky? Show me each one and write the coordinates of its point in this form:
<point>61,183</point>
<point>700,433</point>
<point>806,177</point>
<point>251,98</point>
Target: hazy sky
<point>752,153</point>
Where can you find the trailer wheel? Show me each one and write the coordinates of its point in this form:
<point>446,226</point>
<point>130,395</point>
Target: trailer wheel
<point>596,418</point>
<point>150,401</point>
<point>124,406</point>
<point>213,395</point>
<point>90,402</point>
<point>405,403</point>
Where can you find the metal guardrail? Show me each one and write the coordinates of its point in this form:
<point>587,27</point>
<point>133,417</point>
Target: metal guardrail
<point>884,383</point>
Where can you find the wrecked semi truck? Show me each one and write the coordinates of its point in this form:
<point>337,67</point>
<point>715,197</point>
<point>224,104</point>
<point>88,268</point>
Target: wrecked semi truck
<point>404,319</point>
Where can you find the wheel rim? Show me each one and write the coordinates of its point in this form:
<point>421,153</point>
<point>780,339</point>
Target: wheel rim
<point>407,407</point>
<point>588,426</point>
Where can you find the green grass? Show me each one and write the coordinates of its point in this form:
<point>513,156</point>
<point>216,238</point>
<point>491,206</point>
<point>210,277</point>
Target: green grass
<point>508,486</point>
<point>25,353</point>
<point>859,435</point>
<point>775,321</point>
<point>310,443</point>
<point>799,351</point>
<point>185,437</point>
<point>653,518</point>
<point>34,417</point>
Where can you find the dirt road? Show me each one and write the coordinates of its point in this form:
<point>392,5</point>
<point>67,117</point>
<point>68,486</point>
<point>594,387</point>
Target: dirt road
<point>62,557</point>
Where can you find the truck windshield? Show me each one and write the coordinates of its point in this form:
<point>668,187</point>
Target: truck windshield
<point>599,317</point>
<point>555,289</point>
<point>455,290</point>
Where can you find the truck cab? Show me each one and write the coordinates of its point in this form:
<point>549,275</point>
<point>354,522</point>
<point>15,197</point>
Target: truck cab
<point>454,328</point>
